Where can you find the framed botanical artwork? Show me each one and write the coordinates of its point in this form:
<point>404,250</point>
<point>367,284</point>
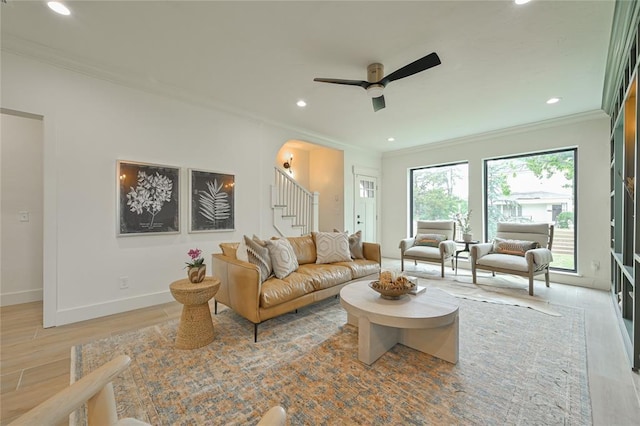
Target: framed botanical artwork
<point>148,199</point>
<point>211,201</point>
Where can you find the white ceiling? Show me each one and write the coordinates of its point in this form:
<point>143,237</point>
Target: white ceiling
<point>500,61</point>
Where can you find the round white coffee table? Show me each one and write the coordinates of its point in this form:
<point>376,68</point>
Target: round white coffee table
<point>427,322</point>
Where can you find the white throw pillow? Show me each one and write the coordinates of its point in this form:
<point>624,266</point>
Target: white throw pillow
<point>241,251</point>
<point>332,247</point>
<point>283,258</point>
<point>355,244</point>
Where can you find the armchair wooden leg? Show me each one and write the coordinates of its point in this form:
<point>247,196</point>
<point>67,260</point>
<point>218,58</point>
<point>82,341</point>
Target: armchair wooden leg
<point>546,277</point>
<point>442,269</point>
<point>473,272</point>
<point>401,263</point>
<point>530,284</point>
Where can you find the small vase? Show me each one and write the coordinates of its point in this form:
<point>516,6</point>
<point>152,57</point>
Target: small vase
<point>197,273</point>
<point>467,237</point>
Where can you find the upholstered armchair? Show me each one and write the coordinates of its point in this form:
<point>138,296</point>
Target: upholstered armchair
<point>433,242</point>
<point>519,248</point>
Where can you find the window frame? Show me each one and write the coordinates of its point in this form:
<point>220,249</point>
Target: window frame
<point>411,185</point>
<point>485,189</point>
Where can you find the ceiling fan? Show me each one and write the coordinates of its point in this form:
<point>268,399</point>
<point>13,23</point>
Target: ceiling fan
<point>376,82</point>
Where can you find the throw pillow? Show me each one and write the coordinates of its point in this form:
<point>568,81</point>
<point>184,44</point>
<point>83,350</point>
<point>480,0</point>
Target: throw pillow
<point>229,249</point>
<point>514,247</point>
<point>283,258</point>
<point>429,240</point>
<point>355,244</point>
<point>332,247</point>
<point>259,256</point>
<point>241,251</point>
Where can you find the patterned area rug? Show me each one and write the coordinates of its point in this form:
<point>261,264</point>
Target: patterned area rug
<point>517,366</point>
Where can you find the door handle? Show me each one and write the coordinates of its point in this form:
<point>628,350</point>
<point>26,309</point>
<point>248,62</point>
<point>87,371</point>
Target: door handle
<point>359,222</point>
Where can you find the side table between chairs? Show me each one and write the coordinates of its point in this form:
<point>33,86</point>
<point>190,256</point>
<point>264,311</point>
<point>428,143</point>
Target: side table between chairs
<point>465,249</point>
<point>196,326</point>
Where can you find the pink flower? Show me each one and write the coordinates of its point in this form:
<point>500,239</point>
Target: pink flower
<point>194,253</point>
<point>196,260</point>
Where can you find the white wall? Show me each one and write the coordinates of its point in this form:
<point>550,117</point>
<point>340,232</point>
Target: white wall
<point>88,125</point>
<point>588,132</point>
<point>21,194</point>
<point>327,178</point>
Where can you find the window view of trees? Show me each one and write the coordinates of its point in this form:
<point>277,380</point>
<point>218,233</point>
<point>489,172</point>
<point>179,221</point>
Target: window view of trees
<point>535,188</point>
<point>438,193</point>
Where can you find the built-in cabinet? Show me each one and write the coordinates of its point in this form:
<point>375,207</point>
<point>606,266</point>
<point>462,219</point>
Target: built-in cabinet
<point>625,232</point>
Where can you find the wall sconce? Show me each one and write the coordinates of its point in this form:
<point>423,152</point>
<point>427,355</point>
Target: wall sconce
<point>287,165</point>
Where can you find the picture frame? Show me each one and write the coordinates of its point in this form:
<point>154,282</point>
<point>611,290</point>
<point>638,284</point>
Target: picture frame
<point>211,201</point>
<point>148,199</point>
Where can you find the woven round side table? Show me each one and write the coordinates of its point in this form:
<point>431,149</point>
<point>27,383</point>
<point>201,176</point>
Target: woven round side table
<point>196,326</point>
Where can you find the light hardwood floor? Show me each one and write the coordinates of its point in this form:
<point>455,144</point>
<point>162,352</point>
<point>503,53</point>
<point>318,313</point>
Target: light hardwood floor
<point>35,362</point>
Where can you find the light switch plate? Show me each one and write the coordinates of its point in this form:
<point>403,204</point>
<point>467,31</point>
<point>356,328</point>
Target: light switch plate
<point>24,216</point>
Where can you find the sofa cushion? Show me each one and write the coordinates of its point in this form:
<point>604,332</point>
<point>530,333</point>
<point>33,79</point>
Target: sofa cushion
<point>283,259</point>
<point>229,249</point>
<point>325,276</point>
<point>361,267</point>
<point>332,247</point>
<point>304,248</point>
<point>429,240</point>
<point>259,256</point>
<point>513,247</point>
<point>275,291</point>
<point>504,261</point>
<point>425,252</point>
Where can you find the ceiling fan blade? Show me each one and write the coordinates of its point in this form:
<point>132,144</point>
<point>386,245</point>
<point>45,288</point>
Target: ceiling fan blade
<point>429,61</point>
<point>378,103</point>
<point>361,83</point>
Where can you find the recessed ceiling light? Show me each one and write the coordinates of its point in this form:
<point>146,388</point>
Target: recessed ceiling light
<point>391,139</point>
<point>553,101</point>
<point>522,1</point>
<point>58,7</point>
<point>301,103</point>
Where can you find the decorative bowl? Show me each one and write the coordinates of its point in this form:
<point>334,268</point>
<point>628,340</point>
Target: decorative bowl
<point>391,293</point>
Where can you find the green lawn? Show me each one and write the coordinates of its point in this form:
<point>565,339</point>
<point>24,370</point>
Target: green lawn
<point>562,261</point>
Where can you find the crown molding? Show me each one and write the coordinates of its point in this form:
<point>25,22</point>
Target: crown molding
<point>524,128</point>
<point>626,16</point>
<point>54,57</point>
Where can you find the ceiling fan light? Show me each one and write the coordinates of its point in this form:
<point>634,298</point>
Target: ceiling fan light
<point>375,90</point>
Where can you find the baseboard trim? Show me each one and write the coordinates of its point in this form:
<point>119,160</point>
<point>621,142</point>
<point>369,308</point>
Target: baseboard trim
<point>97,310</point>
<point>18,297</point>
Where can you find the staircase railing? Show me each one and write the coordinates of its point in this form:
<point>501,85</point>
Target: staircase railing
<point>296,202</point>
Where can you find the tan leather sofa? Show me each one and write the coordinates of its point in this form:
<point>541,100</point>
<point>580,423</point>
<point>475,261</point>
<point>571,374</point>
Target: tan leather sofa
<point>241,290</point>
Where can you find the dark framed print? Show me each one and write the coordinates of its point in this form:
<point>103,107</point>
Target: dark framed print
<point>211,201</point>
<point>148,198</point>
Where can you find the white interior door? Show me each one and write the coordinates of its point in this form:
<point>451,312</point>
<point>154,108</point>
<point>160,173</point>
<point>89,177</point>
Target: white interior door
<point>365,210</point>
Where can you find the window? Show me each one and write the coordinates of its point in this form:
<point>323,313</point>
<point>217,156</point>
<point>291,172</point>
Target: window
<point>535,188</point>
<point>438,193</point>
<point>367,189</point>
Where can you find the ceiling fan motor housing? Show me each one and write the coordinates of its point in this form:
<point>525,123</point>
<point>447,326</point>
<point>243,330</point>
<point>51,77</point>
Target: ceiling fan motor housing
<point>375,72</point>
